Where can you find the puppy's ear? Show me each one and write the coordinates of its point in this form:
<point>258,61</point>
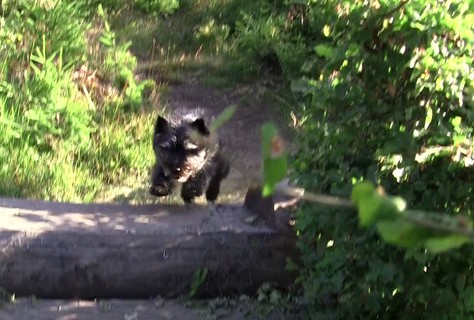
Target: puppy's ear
<point>200,126</point>
<point>161,126</point>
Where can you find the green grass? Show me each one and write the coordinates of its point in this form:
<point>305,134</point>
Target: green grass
<point>191,42</point>
<point>72,126</point>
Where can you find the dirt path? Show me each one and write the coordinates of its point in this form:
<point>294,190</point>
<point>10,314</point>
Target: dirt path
<point>157,309</point>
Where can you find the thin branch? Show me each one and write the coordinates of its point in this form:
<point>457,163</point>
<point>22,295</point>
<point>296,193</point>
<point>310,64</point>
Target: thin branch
<point>318,198</point>
<point>381,15</point>
<point>413,216</point>
<point>430,224</point>
<point>395,9</point>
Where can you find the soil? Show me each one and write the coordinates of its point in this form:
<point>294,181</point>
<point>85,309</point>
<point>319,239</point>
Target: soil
<point>157,309</point>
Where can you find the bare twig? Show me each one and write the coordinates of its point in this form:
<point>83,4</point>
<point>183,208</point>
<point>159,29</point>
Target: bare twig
<point>318,198</point>
<point>395,9</point>
<point>416,217</point>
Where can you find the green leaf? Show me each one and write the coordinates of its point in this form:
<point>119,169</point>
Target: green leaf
<point>223,117</point>
<point>200,275</point>
<point>361,191</point>
<point>301,86</point>
<point>372,302</point>
<point>406,234</point>
<point>469,298</point>
<point>401,233</point>
<point>458,139</point>
<point>456,122</point>
<point>291,265</point>
<point>397,203</point>
<point>275,297</point>
<point>369,209</point>
<point>274,158</point>
<point>325,51</point>
<point>365,198</point>
<point>429,117</point>
<point>419,186</point>
<point>446,242</point>
<point>100,11</point>
<point>326,30</point>
<point>373,206</point>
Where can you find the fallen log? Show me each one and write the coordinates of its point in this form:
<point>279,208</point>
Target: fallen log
<point>87,251</point>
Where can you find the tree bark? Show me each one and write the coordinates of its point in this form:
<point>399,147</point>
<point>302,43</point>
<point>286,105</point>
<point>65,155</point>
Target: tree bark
<point>87,251</point>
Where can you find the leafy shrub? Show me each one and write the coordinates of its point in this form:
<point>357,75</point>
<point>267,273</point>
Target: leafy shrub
<point>387,97</point>
<point>40,47</point>
<point>117,64</point>
<point>157,6</point>
<point>60,22</point>
<point>264,38</point>
<point>213,33</point>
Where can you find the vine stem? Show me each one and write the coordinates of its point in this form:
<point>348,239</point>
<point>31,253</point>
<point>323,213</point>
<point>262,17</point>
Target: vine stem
<point>417,217</point>
<point>313,197</point>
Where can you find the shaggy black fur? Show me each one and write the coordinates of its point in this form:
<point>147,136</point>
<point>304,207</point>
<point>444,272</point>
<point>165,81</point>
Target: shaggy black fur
<point>186,152</point>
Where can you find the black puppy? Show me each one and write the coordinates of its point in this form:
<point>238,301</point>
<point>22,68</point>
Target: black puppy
<point>186,152</point>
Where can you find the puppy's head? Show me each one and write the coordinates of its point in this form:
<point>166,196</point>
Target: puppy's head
<point>181,149</point>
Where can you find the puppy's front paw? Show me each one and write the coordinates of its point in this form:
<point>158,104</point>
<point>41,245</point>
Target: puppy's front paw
<point>212,191</point>
<point>190,190</point>
<point>161,190</point>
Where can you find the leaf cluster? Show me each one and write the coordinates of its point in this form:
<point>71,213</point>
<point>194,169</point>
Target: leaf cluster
<point>385,96</point>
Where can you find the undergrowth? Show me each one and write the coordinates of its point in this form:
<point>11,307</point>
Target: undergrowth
<point>381,91</point>
<point>73,114</point>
